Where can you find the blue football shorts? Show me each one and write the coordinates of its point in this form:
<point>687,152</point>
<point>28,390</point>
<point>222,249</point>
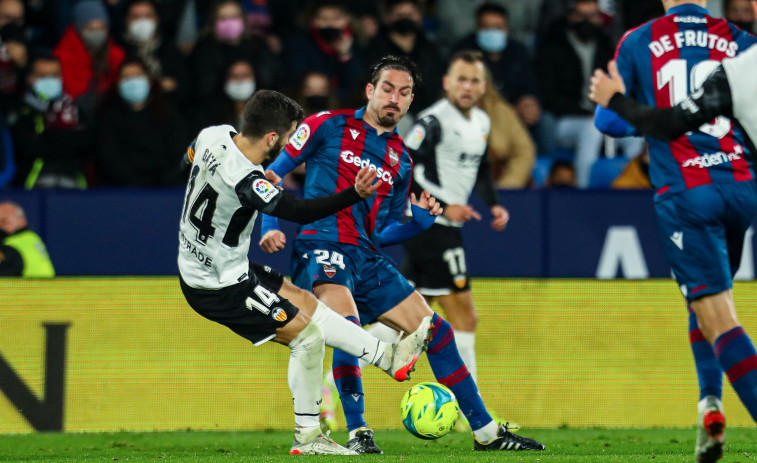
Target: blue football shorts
<point>703,230</point>
<point>376,285</point>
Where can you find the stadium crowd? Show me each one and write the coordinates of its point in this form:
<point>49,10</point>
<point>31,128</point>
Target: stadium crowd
<point>110,92</point>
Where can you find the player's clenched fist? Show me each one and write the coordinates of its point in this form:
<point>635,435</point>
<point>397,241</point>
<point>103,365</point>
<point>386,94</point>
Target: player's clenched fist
<point>364,182</point>
<point>273,241</point>
<point>604,86</point>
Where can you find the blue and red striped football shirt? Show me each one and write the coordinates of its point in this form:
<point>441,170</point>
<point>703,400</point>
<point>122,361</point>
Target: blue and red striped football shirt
<point>336,145</point>
<point>663,61</point>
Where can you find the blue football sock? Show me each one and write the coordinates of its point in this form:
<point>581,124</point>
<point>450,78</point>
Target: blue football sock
<point>349,383</point>
<point>738,358</point>
<point>450,371</point>
<point>708,370</point>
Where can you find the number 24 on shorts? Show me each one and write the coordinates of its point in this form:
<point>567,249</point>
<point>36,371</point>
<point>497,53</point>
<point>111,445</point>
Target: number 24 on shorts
<point>322,257</point>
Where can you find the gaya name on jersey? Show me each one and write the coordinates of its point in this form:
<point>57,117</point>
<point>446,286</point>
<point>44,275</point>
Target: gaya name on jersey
<point>701,39</point>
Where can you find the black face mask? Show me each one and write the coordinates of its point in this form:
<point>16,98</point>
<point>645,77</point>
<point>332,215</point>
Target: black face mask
<point>330,34</point>
<point>3,235</point>
<point>586,30</point>
<point>404,26</point>
<point>317,102</point>
<point>746,25</point>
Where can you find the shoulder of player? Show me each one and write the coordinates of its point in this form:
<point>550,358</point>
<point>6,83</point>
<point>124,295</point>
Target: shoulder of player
<point>314,121</point>
<point>636,34</point>
<point>213,134</point>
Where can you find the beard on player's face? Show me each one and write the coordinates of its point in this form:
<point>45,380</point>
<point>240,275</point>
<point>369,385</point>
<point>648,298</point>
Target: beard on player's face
<point>276,149</point>
<point>388,114</point>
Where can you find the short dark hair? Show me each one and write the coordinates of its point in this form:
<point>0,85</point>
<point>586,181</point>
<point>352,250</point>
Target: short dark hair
<point>270,111</point>
<point>36,58</point>
<point>493,8</point>
<point>396,63</point>
<point>388,5</point>
<point>469,56</point>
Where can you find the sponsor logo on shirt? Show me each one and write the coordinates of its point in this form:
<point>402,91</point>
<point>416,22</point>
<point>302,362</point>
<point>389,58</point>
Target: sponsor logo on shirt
<point>714,159</point>
<point>351,158</point>
<point>300,137</point>
<point>265,189</point>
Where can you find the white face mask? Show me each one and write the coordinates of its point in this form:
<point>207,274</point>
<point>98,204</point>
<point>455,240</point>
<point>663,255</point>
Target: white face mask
<point>240,90</point>
<point>142,29</point>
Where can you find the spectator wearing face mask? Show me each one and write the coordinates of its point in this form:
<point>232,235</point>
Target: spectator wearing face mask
<point>225,41</point>
<point>88,56</point>
<point>50,139</point>
<point>314,93</point>
<point>576,45</point>
<point>402,35</point>
<point>227,105</point>
<point>144,39</point>
<point>509,62</point>
<point>329,46</point>
<point>740,13</point>
<point>141,136</point>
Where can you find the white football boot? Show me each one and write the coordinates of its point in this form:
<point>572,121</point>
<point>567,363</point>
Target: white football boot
<point>710,430</point>
<point>407,351</point>
<point>318,444</point>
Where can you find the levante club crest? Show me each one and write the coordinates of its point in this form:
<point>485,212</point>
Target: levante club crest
<point>393,157</point>
<point>329,271</point>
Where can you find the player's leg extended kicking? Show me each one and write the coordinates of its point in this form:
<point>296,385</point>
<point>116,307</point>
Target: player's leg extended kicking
<point>259,310</point>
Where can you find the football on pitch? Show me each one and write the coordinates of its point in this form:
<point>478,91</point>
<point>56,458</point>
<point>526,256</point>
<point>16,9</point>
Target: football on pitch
<point>429,410</point>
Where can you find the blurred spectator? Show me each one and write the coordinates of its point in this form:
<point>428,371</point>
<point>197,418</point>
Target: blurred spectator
<point>88,56</point>
<point>46,20</point>
<point>143,40</point>
<point>508,60</point>
<point>402,34</point>
<point>51,141</point>
<point>22,252</point>
<point>576,45</point>
<point>227,107</point>
<point>224,41</point>
<point>636,173</point>
<point>740,13</point>
<point>314,93</point>
<point>14,52</point>
<point>140,134</point>
<point>562,174</point>
<point>327,46</point>
<point>511,150</point>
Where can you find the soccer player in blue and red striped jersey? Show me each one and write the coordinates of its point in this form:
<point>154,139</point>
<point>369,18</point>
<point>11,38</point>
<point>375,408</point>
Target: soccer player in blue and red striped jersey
<point>337,257</point>
<point>705,189</point>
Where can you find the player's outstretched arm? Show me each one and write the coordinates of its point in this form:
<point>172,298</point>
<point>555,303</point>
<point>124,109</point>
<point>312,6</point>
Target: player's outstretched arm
<point>309,210</point>
<point>305,211</point>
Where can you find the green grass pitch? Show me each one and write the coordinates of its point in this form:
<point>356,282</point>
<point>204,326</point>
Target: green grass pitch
<point>563,445</point>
